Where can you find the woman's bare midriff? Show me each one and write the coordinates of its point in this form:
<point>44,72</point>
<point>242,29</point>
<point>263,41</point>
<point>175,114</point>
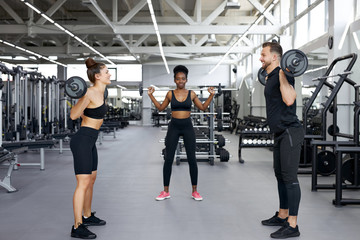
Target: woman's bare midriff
<point>91,122</point>
<point>180,114</point>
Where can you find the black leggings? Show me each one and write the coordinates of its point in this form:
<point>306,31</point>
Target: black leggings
<point>287,150</point>
<point>177,128</point>
<point>83,148</point>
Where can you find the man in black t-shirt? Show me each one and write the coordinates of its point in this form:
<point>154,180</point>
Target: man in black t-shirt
<point>288,135</point>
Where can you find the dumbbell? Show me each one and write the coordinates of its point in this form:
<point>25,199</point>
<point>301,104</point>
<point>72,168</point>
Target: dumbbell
<point>75,87</point>
<point>294,63</point>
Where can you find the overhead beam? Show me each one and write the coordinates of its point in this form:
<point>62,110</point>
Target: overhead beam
<point>202,41</point>
<point>51,11</point>
<point>235,20</point>
<point>183,40</point>
<point>261,9</point>
<point>137,50</point>
<point>95,8</point>
<point>179,11</point>
<point>214,14</point>
<point>133,12</point>
<point>115,9</point>
<point>141,40</point>
<point>11,12</point>
<point>197,11</point>
<point>141,29</point>
<point>127,4</point>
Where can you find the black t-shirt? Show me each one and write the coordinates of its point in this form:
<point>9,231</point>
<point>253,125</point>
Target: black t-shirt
<point>279,116</point>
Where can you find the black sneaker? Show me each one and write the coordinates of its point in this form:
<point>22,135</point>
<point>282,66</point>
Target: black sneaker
<point>274,221</point>
<point>93,221</point>
<point>82,232</point>
<point>286,231</point>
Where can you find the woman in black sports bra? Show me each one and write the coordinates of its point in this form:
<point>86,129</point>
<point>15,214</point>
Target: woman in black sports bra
<point>180,125</point>
<point>91,108</point>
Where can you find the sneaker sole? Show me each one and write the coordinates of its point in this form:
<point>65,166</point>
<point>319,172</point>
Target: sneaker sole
<point>197,199</point>
<point>287,236</point>
<point>78,236</point>
<point>273,224</point>
<point>93,224</point>
<point>161,199</point>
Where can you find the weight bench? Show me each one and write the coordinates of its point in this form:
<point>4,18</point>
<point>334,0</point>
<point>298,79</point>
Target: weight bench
<point>319,143</point>
<point>24,145</point>
<point>339,200</point>
<point>61,137</point>
<point>106,129</point>
<point>10,157</point>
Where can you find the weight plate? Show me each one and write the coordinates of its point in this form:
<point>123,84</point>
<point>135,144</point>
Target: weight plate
<point>348,170</point>
<point>333,131</point>
<point>224,155</point>
<point>75,87</point>
<point>326,163</point>
<point>294,63</point>
<point>262,76</point>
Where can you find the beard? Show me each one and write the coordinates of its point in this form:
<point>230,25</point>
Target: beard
<point>265,65</point>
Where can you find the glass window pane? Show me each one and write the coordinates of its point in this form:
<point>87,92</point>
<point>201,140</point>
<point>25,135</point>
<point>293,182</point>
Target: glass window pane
<point>317,19</point>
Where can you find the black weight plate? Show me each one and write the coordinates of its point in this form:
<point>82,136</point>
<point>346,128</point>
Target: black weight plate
<point>224,155</point>
<point>331,130</point>
<point>221,140</point>
<point>262,75</point>
<point>348,170</point>
<point>326,163</point>
<point>75,87</point>
<point>294,63</point>
<point>219,126</point>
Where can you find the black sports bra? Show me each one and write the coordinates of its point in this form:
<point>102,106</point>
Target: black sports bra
<point>96,113</point>
<point>181,106</point>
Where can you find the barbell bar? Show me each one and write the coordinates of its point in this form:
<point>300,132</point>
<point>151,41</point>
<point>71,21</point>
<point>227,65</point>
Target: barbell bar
<point>197,141</point>
<point>201,113</point>
<point>203,88</point>
<point>293,63</point>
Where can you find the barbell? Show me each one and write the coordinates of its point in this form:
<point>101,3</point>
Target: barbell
<point>219,88</point>
<point>76,87</point>
<point>293,62</point>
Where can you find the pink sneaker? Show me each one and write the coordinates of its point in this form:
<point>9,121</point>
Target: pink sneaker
<point>195,195</point>
<point>163,195</point>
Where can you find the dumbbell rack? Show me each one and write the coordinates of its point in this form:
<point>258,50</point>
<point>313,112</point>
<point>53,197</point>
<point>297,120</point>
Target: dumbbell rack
<point>262,134</point>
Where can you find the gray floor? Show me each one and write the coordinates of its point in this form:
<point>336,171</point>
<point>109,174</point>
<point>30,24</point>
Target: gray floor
<point>236,197</point>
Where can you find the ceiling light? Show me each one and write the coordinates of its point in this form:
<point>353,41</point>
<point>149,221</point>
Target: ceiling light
<point>30,52</point>
<point>32,7</point>
<point>211,38</point>
<point>65,30</point>
<point>158,35</point>
<point>122,58</point>
<point>232,4</point>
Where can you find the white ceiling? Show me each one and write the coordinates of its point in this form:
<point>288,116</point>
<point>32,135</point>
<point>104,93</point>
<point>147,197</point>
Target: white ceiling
<point>124,28</point>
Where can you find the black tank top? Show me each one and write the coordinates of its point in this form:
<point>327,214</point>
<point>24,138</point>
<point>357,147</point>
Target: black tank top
<point>96,113</point>
<point>181,106</point>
